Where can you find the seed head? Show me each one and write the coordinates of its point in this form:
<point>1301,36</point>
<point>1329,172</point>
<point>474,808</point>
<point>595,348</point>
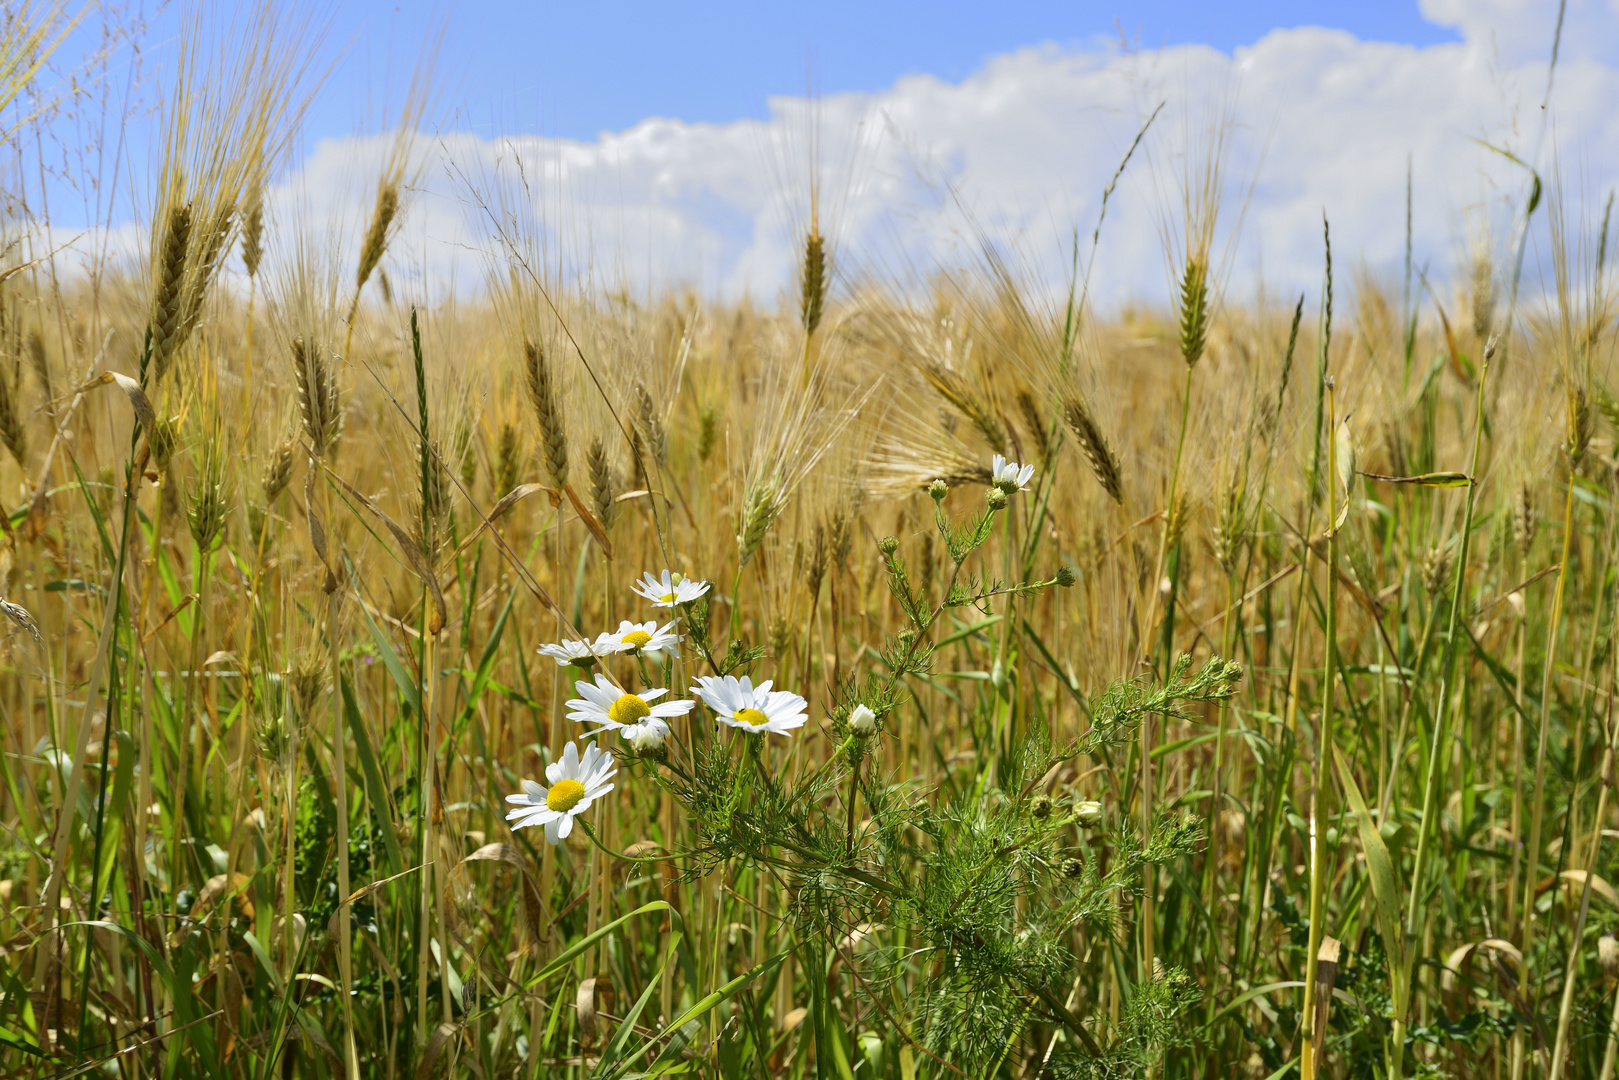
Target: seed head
<point>1175,523</point>
<point>1067,577</point>
<point>840,535</point>
<point>376,237</point>
<point>253,230</point>
<point>278,473</point>
<point>167,310</point>
<point>12,432</point>
<point>1040,807</point>
<point>781,636</point>
<point>318,396</point>
<point>1483,293</point>
<point>815,564</point>
<point>602,495</point>
<point>1072,868</point>
<point>888,545</point>
<point>1229,530</point>
<point>1436,570</point>
<point>1194,313</point>
<point>812,292</point>
<point>508,459</point>
<point>272,739</point>
<point>646,414</point>
<point>760,509</point>
<point>1097,452</point>
<point>1579,426</point>
<point>1523,519</point>
<point>40,362</point>
<point>708,430</point>
<point>307,681</point>
<point>206,501</point>
<point>542,392</point>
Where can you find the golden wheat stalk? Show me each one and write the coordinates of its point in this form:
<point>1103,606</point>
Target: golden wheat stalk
<point>1104,465</point>
<point>542,394</point>
<point>602,497</point>
<point>319,399</point>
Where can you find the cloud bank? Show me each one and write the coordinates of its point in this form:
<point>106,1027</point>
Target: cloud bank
<point>1019,154</point>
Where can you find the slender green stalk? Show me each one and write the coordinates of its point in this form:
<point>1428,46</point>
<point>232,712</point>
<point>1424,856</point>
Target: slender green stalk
<point>1167,642</point>
<point>1309,1053</point>
<point>1415,911</point>
<point>1554,619</point>
<point>1565,1009</point>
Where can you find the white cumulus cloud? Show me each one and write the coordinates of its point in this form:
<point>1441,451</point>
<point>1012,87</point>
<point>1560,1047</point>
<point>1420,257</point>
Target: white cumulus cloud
<point>1020,153</point>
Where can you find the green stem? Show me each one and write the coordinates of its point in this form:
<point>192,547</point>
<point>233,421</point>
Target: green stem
<point>1319,790</point>
<point>1430,789</point>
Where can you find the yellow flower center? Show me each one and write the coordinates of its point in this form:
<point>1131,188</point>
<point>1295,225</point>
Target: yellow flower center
<point>637,639</point>
<point>750,717</point>
<point>628,709</point>
<point>668,598</point>
<point>564,795</point>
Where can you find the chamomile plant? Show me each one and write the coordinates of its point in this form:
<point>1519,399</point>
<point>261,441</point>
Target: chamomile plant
<point>997,882</point>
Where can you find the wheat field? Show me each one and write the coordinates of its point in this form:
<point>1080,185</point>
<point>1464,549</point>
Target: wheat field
<point>1208,688</point>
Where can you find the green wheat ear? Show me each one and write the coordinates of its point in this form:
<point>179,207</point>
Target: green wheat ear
<point>812,283</point>
<point>1194,309</point>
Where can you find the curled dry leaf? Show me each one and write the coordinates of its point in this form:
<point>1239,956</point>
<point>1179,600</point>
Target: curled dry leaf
<point>137,398</point>
<point>585,1004</point>
<point>528,898</point>
<point>1459,956</point>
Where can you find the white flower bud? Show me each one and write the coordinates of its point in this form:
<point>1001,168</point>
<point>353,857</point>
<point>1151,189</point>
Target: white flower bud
<point>862,721</point>
<point>647,736</point>
<point>1088,813</point>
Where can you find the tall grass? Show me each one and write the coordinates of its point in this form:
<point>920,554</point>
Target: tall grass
<point>1264,728</point>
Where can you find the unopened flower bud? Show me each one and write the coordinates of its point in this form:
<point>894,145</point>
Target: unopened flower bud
<point>1088,813</point>
<point>646,738</point>
<point>938,490</point>
<point>888,545</point>
<point>1041,806</point>
<point>995,498</point>
<point>862,721</point>
<point>1072,868</point>
<point>1067,577</point>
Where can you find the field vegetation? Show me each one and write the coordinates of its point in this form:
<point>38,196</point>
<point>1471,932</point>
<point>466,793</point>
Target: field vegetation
<point>1208,689</point>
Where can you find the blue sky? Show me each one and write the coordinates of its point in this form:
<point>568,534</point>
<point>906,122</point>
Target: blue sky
<point>661,144</point>
<point>574,70</point>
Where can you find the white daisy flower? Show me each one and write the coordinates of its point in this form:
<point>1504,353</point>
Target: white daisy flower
<point>583,653</point>
<point>649,638</point>
<point>606,705</point>
<point>1009,476</point>
<point>646,736</point>
<point>862,721</point>
<point>575,782</point>
<point>738,703</point>
<point>672,591</point>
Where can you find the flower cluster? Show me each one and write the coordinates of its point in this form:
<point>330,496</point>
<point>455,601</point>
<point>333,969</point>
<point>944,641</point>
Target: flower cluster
<point>645,639</point>
<point>641,718</point>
